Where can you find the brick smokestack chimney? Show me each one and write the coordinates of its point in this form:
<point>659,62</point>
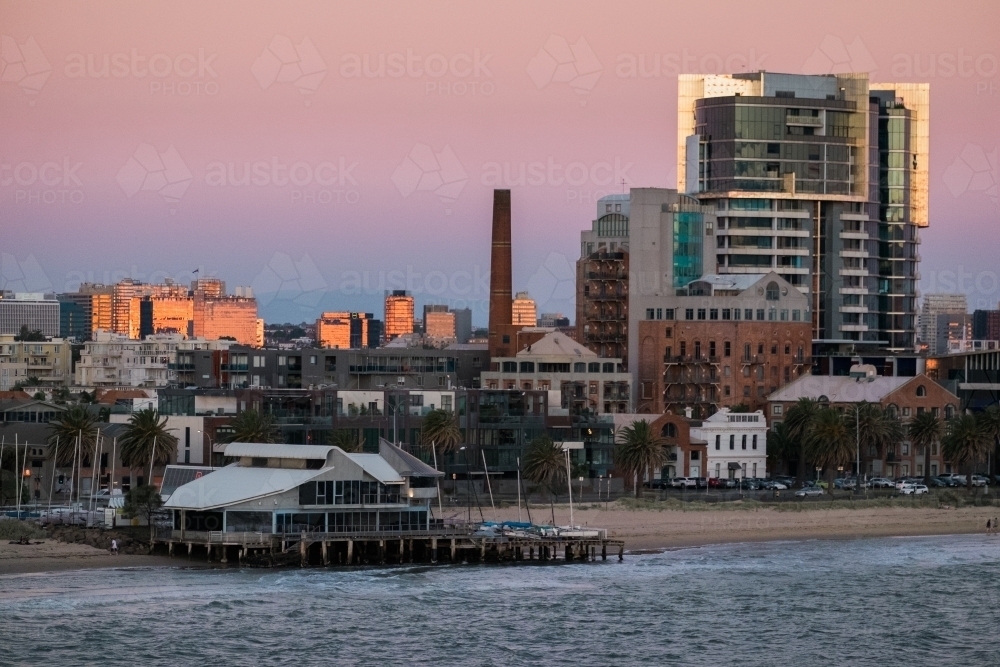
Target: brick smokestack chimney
<point>501,294</point>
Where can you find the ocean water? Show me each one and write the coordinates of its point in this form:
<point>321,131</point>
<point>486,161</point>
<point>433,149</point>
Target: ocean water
<point>906,601</point>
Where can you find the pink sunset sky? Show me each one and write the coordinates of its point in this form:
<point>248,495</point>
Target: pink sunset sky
<point>375,132</point>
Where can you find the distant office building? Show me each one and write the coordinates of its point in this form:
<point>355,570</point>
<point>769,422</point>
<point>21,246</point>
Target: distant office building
<point>553,320</point>
<point>166,315</point>
<point>212,288</point>
<point>398,314</point>
<point>463,324</point>
<point>523,309</point>
<point>85,311</point>
<point>943,317</point>
<point>986,325</point>
<point>822,179</point>
<point>438,324</point>
<point>347,330</point>
<point>37,311</point>
<point>230,316</point>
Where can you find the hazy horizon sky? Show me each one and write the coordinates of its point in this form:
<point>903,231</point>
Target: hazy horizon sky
<point>375,133</point>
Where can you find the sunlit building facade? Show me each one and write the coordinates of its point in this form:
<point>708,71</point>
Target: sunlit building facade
<point>230,316</point>
<point>398,314</point>
<point>524,310</point>
<point>347,330</point>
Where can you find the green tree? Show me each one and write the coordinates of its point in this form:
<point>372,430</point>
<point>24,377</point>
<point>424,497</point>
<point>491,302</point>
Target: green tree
<point>145,441</point>
<point>829,442</point>
<point>545,465</point>
<point>965,442</point>
<point>989,419</point>
<point>639,451</point>
<point>72,424</point>
<point>253,426</point>
<point>144,501</point>
<point>782,448</point>
<point>29,335</point>
<point>799,419</point>
<point>925,431</point>
<point>878,428</point>
<point>348,440</point>
<point>440,428</point>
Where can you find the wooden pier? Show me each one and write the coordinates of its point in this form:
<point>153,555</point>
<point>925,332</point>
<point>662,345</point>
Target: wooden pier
<point>376,548</point>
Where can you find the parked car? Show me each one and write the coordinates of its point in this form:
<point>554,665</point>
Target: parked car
<point>776,485</point>
<point>809,491</point>
<point>716,483</point>
<point>943,481</point>
<point>684,482</point>
<point>845,483</point>
<point>785,479</point>
<point>880,483</point>
<point>907,480</point>
<point>979,480</point>
<point>700,483</point>
<point>913,489</point>
<point>661,483</point>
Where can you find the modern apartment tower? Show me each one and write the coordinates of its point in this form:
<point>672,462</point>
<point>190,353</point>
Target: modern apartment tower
<point>821,179</point>
<point>602,280</point>
<point>398,314</point>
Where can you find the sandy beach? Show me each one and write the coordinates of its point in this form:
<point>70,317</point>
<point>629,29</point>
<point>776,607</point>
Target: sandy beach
<point>651,529</point>
<point>54,556</point>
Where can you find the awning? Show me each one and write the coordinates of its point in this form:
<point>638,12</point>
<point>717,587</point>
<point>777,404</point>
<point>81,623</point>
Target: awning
<point>735,466</point>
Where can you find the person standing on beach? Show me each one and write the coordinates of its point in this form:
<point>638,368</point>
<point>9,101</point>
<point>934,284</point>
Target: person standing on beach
<point>114,546</point>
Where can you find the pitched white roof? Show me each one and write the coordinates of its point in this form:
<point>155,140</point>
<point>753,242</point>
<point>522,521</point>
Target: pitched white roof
<point>839,389</point>
<point>236,484</point>
<point>275,451</point>
<point>377,467</point>
<point>557,344</point>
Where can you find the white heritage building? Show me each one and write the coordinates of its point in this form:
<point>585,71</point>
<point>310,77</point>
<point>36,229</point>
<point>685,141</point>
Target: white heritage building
<point>736,444</point>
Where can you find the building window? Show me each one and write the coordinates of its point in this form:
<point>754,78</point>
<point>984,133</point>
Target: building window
<point>732,441</point>
<point>689,313</point>
<point>726,390</point>
<point>506,339</point>
<point>697,349</point>
<point>755,444</point>
<point>701,313</point>
<point>748,314</point>
<point>744,441</point>
<point>683,348</point>
<point>711,349</point>
<point>659,313</point>
<point>906,411</point>
<point>649,313</point>
<point>777,409</point>
<point>669,332</point>
<point>668,313</point>
<point>718,442</point>
<point>772,293</point>
<point>906,449</point>
<point>713,314</point>
<point>736,313</point>
<point>527,366</point>
<point>727,314</point>
<point>796,315</point>
<point>784,315</point>
<point>921,391</point>
<point>760,314</point>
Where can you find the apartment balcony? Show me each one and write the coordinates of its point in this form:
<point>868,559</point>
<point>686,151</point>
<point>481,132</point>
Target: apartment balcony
<point>804,121</point>
<point>854,327</point>
<point>853,309</point>
<point>853,290</point>
<point>862,254</point>
<point>792,233</point>
<point>861,273</point>
<point>801,252</point>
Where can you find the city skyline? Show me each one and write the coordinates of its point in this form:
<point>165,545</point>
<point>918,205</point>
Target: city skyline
<point>408,157</point>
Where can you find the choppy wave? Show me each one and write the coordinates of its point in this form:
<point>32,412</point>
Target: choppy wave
<point>866,602</point>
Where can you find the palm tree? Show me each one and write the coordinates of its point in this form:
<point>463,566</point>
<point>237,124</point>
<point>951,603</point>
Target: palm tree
<point>639,452</point>
<point>829,441</point>
<point>145,441</point>
<point>348,440</point>
<point>545,465</point>
<point>799,419</point>
<point>440,430</point>
<point>965,442</point>
<point>73,424</point>
<point>925,430</point>
<point>781,447</point>
<point>876,427</point>
<point>253,426</point>
<point>990,421</point>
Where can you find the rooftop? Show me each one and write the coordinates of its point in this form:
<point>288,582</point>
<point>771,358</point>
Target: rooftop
<point>839,389</point>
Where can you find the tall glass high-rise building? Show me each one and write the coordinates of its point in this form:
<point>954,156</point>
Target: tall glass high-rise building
<point>820,178</point>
